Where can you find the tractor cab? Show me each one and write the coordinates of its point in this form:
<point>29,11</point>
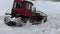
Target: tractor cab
<point>23,4</point>
<point>23,8</point>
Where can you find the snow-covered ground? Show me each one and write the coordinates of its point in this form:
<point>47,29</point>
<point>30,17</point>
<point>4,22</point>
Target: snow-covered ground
<point>52,26</point>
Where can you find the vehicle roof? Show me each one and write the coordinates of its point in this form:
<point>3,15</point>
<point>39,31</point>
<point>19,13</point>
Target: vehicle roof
<point>23,1</point>
<point>28,2</point>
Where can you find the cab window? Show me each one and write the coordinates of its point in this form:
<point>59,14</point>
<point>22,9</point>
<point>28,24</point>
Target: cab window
<point>18,5</point>
<point>28,6</point>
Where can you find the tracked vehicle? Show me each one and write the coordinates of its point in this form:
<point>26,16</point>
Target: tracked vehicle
<point>22,12</point>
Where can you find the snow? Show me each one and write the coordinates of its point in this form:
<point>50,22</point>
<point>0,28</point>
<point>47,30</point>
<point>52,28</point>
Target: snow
<point>52,26</point>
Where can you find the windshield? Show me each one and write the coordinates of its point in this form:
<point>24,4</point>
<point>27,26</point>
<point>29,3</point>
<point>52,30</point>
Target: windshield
<point>28,6</point>
<point>18,5</point>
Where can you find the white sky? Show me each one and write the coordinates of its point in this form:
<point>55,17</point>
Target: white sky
<point>46,7</point>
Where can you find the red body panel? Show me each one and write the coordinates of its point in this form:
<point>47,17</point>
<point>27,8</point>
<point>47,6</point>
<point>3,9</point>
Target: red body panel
<point>22,12</point>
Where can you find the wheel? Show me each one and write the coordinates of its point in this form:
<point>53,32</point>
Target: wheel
<point>24,20</point>
<point>8,22</point>
<point>6,19</point>
<point>11,23</point>
<point>20,21</point>
<point>31,21</point>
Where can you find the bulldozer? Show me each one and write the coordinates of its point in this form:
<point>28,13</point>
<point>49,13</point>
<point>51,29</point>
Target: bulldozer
<point>22,12</point>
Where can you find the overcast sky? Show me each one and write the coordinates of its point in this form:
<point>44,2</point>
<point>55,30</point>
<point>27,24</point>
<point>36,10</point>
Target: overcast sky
<point>46,7</point>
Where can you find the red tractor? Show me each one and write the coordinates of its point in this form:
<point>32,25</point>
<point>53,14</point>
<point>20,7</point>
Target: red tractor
<point>22,12</point>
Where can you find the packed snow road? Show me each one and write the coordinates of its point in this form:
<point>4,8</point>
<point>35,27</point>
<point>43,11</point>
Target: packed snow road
<point>52,26</point>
